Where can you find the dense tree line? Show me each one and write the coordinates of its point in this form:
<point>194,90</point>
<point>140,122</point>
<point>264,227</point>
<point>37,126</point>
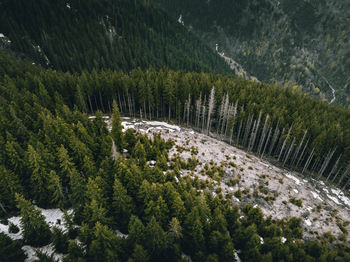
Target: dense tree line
<point>297,131</point>
<point>76,35</point>
<point>57,156</point>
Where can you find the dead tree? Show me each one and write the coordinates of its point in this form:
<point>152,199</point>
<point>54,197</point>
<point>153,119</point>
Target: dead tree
<point>263,135</point>
<point>285,142</point>
<point>267,141</point>
<point>334,168</point>
<point>300,160</point>
<point>326,162</point>
<point>274,139</point>
<point>247,130</point>
<point>198,109</point>
<point>289,152</point>
<point>211,106</point>
<point>298,149</point>
<point>254,133</point>
<point>308,161</point>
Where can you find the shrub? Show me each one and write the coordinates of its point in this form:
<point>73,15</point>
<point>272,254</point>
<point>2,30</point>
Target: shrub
<point>297,202</point>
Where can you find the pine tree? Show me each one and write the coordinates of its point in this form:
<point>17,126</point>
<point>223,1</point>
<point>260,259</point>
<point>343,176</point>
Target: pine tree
<point>56,188</point>
<point>35,230</point>
<point>104,246</point>
<point>122,205</point>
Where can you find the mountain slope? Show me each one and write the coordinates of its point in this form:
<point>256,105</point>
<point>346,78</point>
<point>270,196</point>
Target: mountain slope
<point>293,43</point>
<point>75,35</point>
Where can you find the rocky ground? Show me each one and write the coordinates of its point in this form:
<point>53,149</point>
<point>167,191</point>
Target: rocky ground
<point>278,192</point>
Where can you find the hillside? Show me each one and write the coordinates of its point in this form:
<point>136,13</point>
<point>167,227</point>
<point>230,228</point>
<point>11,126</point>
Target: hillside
<point>124,137</point>
<point>99,34</point>
<point>75,186</point>
<point>288,43</point>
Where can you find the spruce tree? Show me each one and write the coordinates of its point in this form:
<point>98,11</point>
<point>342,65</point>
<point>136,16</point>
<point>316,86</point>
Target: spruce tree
<point>35,230</point>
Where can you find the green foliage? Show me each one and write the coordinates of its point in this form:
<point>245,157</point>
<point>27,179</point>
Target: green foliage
<point>60,240</point>
<point>35,230</point>
<point>101,34</point>
<point>10,250</point>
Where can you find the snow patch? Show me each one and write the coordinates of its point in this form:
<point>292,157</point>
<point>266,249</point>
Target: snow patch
<point>162,124</point>
<point>53,216</point>
<point>1,35</point>
<point>296,180</point>
<point>334,199</point>
<point>283,240</point>
<point>261,240</point>
<point>308,222</point>
<point>296,191</point>
<point>345,199</point>
<point>120,234</point>
<point>49,249</point>
<point>68,5</point>
<point>315,195</point>
<point>180,20</point>
<point>5,228</point>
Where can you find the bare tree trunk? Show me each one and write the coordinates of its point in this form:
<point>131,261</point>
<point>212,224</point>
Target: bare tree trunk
<point>144,108</point>
<point>247,130</point>
<point>109,106</point>
<point>198,109</point>
<point>298,148</point>
<point>91,110</point>
<point>267,142</point>
<point>300,160</point>
<point>347,183</point>
<point>274,139</point>
<point>129,105</point>
<point>203,117</point>
<point>103,108</point>
<point>2,207</point>
<point>254,134</point>
<point>188,107</point>
<point>308,161</point>
<point>336,175</point>
<point>262,138</point>
<point>289,151</point>
<point>120,103</point>
<point>334,168</point>
<point>211,106</point>
<point>285,142</point>
<point>234,114</point>
<point>326,162</point>
<point>344,175</point>
<point>239,132</point>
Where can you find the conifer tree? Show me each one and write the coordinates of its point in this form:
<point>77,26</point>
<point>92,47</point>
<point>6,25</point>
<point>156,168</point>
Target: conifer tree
<point>35,230</point>
<point>122,205</point>
<point>104,246</point>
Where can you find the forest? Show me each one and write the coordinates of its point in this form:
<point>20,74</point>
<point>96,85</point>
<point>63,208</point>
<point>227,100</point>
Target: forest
<point>300,43</point>
<point>55,156</point>
<point>79,35</point>
<point>68,66</point>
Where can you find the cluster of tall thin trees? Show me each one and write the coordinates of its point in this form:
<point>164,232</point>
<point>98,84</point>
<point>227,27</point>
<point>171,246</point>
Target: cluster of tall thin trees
<point>300,133</point>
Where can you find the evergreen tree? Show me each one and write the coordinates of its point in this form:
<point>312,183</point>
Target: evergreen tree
<point>35,230</point>
<point>104,246</point>
<point>122,205</point>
